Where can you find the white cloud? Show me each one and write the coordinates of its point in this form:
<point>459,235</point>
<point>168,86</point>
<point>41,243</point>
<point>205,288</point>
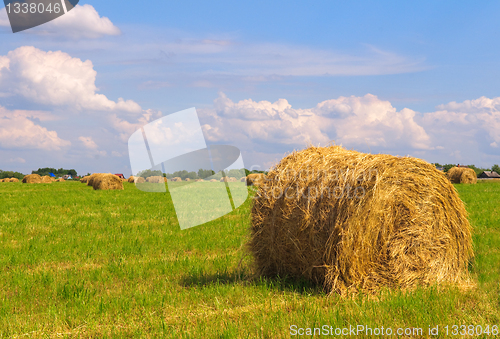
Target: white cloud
<point>55,78</point>
<point>17,131</point>
<point>88,142</point>
<point>467,119</point>
<point>81,22</point>
<point>351,121</point>
<point>16,160</point>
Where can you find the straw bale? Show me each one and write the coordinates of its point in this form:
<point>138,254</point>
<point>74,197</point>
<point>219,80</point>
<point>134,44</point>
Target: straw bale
<point>93,177</point>
<point>187,179</point>
<point>14,180</point>
<point>200,180</point>
<point>176,179</point>
<point>213,180</point>
<point>85,179</point>
<point>352,221</point>
<point>256,179</point>
<point>140,180</point>
<point>47,180</point>
<point>244,179</point>
<point>32,179</point>
<point>462,175</point>
<point>60,180</point>
<point>107,181</point>
<point>155,179</point>
<point>131,179</point>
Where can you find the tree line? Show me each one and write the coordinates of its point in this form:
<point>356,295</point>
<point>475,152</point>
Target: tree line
<point>201,174</point>
<point>57,172</point>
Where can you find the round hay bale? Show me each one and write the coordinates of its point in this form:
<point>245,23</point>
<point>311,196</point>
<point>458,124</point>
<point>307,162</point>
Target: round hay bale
<point>155,179</point>
<point>131,179</point>
<point>462,175</point>
<point>93,177</point>
<point>176,179</point>
<point>140,180</point>
<point>200,180</point>
<point>47,180</point>
<point>187,179</point>
<point>60,180</point>
<point>256,179</point>
<point>107,181</point>
<point>3,180</point>
<point>32,179</point>
<point>359,221</point>
<point>14,180</point>
<point>85,179</point>
<point>244,179</point>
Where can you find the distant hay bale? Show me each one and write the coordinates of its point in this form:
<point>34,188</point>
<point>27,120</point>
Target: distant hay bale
<point>47,180</point>
<point>107,181</point>
<point>14,180</point>
<point>176,179</point>
<point>85,179</point>
<point>462,175</point>
<point>256,179</point>
<point>140,180</point>
<point>350,221</point>
<point>199,180</point>
<point>60,180</point>
<point>187,179</point>
<point>213,180</point>
<point>155,179</point>
<point>93,177</point>
<point>32,179</point>
<point>244,179</point>
<point>228,179</point>
<point>131,179</point>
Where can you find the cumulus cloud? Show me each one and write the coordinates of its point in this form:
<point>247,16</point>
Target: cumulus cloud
<point>88,142</point>
<point>17,131</point>
<point>470,121</point>
<point>81,22</point>
<point>55,78</point>
<point>351,121</point>
<point>125,128</point>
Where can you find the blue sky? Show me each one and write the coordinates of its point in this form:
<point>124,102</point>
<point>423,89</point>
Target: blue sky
<point>402,78</point>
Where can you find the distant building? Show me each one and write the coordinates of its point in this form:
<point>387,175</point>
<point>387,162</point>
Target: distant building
<point>121,176</point>
<point>489,175</point>
<point>67,177</point>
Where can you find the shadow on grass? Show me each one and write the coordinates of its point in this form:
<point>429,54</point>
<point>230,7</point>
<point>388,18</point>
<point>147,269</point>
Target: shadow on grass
<point>279,284</point>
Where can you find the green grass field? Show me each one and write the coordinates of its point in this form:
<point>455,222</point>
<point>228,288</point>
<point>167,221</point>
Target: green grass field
<point>75,262</point>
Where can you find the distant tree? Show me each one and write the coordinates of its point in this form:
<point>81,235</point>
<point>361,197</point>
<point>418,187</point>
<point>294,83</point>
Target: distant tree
<point>149,173</point>
<point>205,173</point>
<point>496,168</point>
<point>477,169</point>
<point>11,174</point>
<point>236,173</point>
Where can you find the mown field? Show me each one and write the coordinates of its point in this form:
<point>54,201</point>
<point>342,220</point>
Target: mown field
<point>81,263</point>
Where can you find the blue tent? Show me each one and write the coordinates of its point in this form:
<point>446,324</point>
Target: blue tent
<point>52,175</point>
